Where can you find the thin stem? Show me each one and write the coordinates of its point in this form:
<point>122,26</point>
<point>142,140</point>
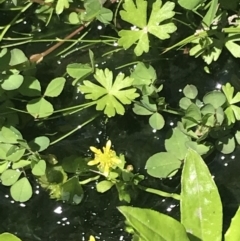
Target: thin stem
<point>86,181</point>
<point>14,20</point>
<point>74,130</point>
<point>160,193</point>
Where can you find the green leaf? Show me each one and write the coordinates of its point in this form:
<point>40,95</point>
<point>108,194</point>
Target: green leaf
<point>9,177</point>
<point>8,237</point>
<point>21,191</point>
<point>5,57</point>
<point>190,4</point>
<point>215,98</point>
<point>156,121</point>
<point>141,110</point>
<point>228,90</point>
<point>105,15</point>
<point>184,103</point>
<point>39,168</point>
<point>143,75</point>
<point>190,91</point>
<point>39,144</point>
<point>39,108</point>
<point>177,141</point>
<point>13,82</point>
<point>237,137</point>
<point>55,87</point>
<point>72,191</point>
<point>201,207</point>
<point>10,152</point>
<point>226,144</point>
<point>137,16</point>
<point>162,165</point>
<point>233,48</point>
<point>9,135</point>
<point>20,164</point>
<point>17,57</point>
<point>104,186</point>
<point>30,87</point>
<point>233,232</point>
<point>199,148</point>
<point>211,13</point>
<point>110,96</point>
<point>61,5</point>
<point>3,166</point>
<point>79,71</point>
<point>151,225</point>
<point>73,18</point>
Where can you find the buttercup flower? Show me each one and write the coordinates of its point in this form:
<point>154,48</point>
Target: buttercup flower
<point>91,238</point>
<point>106,159</point>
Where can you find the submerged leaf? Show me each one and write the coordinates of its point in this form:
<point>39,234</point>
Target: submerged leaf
<point>233,232</point>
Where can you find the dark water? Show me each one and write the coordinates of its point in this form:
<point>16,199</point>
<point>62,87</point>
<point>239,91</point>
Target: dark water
<point>49,220</point>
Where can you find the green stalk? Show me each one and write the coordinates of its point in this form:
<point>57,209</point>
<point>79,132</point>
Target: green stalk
<point>160,193</point>
<point>86,181</point>
<point>14,20</point>
<point>74,130</point>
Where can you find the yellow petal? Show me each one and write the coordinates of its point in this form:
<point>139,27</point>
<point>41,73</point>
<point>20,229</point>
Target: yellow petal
<point>108,145</point>
<point>93,162</point>
<point>91,238</point>
<point>95,150</point>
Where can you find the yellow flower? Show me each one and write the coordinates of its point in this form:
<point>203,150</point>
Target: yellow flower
<point>106,159</point>
<point>91,238</point>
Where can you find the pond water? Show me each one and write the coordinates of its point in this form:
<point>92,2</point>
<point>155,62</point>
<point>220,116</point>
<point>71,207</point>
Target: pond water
<point>50,220</point>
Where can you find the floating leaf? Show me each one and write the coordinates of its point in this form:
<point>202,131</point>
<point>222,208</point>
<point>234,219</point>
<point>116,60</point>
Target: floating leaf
<point>55,87</point>
<point>137,16</point>
<point>9,135</point>
<point>226,144</point>
<point>215,98</point>
<point>39,108</point>
<point>39,168</point>
<point>73,18</point>
<point>13,82</point>
<point>8,237</point>
<point>110,96</point>
<point>104,186</point>
<point>21,191</point>
<point>190,91</point>
<point>233,232</point>
<point>184,103</point>
<point>156,121</point>
<point>177,141</point>
<point>39,144</point>
<point>9,177</point>
<point>79,71</point>
<point>162,165</point>
<point>152,225</point>
<point>61,5</point>
<point>72,191</point>
<point>201,207</point>
<point>20,164</point>
<point>30,87</point>
<point>190,4</point>
<point>17,57</point>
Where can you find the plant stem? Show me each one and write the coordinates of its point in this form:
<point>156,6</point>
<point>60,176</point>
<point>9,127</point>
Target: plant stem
<point>86,181</point>
<point>74,130</point>
<point>159,192</point>
<point>14,19</point>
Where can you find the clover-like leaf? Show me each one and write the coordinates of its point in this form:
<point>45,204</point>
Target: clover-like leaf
<point>110,96</point>
<point>137,15</point>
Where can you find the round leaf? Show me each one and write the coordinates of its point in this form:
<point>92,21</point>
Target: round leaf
<point>73,18</point>
<point>141,110</point>
<point>21,191</point>
<point>162,165</point>
<point>104,186</point>
<point>184,103</point>
<point>190,91</point>
<point>39,108</point>
<point>8,237</point>
<point>13,82</point>
<point>39,143</point>
<point>156,121</point>
<point>215,98</point>
<point>9,177</point>
<point>226,145</point>
<point>17,57</point>
<point>55,87</point>
<point>39,168</point>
